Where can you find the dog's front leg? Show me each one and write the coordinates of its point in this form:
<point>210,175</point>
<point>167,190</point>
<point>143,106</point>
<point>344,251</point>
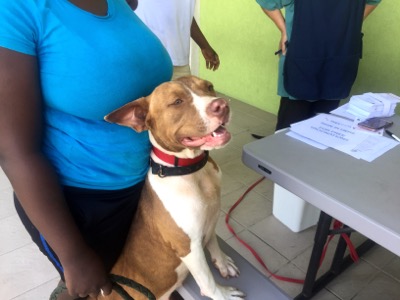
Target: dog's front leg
<point>222,262</point>
<point>198,267</point>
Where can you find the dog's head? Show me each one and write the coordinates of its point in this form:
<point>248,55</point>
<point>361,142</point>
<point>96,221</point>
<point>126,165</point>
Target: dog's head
<point>180,114</point>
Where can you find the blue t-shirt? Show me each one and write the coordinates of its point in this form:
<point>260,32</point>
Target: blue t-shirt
<point>89,66</point>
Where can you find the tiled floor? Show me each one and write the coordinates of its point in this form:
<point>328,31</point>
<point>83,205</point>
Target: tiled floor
<point>26,275</point>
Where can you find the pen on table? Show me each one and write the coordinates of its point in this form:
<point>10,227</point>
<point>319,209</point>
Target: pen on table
<point>392,135</point>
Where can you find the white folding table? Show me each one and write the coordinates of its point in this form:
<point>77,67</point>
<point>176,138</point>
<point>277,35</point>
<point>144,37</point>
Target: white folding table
<point>363,195</point>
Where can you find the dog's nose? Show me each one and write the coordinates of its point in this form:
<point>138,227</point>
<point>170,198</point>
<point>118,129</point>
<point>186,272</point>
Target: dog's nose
<point>218,107</point>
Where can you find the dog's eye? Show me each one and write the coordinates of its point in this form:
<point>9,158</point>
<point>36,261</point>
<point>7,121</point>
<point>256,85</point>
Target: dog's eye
<point>177,101</point>
<point>211,88</point>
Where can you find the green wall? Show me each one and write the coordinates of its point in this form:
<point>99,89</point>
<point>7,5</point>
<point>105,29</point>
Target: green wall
<point>246,40</point>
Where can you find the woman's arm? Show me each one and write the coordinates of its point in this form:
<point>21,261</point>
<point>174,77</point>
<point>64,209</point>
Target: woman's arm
<point>211,57</point>
<point>278,19</point>
<point>34,179</point>
<point>368,10</point>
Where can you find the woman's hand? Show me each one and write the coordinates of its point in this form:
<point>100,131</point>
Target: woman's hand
<point>283,44</point>
<point>211,57</point>
<point>85,275</point>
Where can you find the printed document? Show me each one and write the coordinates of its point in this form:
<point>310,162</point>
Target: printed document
<point>340,134</point>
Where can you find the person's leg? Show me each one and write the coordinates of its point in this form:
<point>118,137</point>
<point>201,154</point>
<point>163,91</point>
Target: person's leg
<point>104,218</point>
<point>36,237</point>
<point>324,106</point>
<point>60,292</point>
<point>180,71</point>
<point>292,111</point>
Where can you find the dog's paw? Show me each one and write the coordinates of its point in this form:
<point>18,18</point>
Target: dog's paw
<point>227,293</point>
<point>232,293</point>
<point>226,267</point>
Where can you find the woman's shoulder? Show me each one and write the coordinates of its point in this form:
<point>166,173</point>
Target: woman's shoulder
<point>19,23</point>
<point>22,4</point>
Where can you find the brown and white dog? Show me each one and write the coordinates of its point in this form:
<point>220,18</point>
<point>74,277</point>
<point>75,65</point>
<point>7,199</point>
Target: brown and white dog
<point>180,204</point>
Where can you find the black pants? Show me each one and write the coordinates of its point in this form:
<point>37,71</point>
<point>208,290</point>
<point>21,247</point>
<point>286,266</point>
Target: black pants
<point>292,111</point>
<point>103,217</point>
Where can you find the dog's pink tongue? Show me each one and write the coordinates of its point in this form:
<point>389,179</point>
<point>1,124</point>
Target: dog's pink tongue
<point>194,142</point>
<point>219,137</point>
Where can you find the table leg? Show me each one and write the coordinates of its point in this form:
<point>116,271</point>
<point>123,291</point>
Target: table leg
<point>339,262</point>
<point>336,266</point>
<point>321,235</point>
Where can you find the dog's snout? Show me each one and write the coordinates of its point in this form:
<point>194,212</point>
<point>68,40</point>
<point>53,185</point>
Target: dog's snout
<point>218,107</point>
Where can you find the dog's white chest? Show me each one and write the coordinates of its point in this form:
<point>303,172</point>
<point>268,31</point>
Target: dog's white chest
<point>192,200</point>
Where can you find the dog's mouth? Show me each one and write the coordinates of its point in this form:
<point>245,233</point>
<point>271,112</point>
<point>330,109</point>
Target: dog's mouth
<point>217,138</point>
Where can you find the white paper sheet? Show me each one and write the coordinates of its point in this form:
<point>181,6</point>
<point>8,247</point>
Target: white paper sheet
<point>339,133</point>
<point>306,140</point>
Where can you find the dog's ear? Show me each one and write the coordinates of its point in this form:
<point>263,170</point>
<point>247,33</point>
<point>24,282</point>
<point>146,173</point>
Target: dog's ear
<point>131,115</point>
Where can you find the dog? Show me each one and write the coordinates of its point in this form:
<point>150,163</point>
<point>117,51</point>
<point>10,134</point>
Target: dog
<point>180,201</point>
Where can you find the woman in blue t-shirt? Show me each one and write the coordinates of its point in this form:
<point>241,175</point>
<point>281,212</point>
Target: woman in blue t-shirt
<point>64,65</point>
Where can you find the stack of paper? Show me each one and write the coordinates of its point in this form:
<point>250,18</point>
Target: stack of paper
<point>370,105</point>
<point>326,130</point>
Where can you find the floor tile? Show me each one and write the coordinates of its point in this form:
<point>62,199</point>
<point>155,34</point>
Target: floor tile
<point>302,260</point>
<point>290,271</point>
<point>237,170</point>
<point>42,292</point>
<point>251,209</point>
<point>393,268</point>
<point>378,256</point>
<point>222,229</point>
<point>12,234</point>
<point>356,278</point>
<point>265,188</point>
<point>271,258</point>
<point>325,295</point>
<point>230,184</point>
<point>4,183</point>
<point>23,270</point>
<point>6,203</point>
<point>380,288</point>
<point>226,154</point>
<point>282,239</point>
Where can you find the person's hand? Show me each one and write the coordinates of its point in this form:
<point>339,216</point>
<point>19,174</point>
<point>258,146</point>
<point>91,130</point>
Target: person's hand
<point>282,44</point>
<point>211,57</point>
<point>85,276</point>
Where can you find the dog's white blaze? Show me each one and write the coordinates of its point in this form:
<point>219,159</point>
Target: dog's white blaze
<point>201,103</point>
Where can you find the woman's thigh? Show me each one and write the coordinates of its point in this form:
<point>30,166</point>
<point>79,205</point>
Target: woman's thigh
<point>103,217</point>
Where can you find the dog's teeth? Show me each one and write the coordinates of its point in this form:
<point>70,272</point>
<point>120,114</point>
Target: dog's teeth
<point>214,134</point>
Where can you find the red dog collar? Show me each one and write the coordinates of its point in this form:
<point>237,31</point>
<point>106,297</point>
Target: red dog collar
<point>176,161</point>
<point>182,166</point>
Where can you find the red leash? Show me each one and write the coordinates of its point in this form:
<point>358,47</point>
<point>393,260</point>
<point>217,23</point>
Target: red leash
<point>353,252</point>
<point>336,225</point>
